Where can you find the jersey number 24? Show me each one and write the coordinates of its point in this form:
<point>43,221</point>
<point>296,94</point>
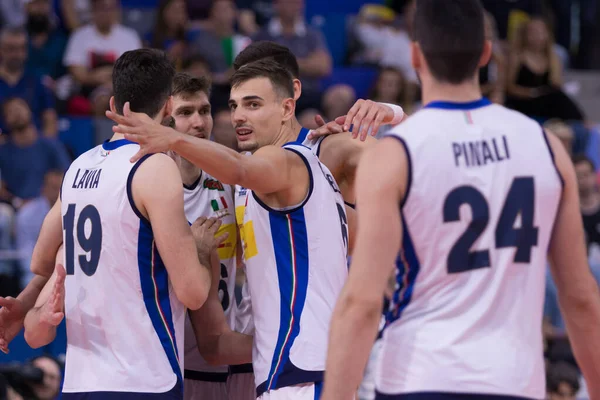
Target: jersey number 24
<point>91,243</point>
<point>520,201</point>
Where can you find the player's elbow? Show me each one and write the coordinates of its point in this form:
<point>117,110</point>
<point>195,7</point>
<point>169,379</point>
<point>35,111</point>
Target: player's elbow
<point>36,339</point>
<point>360,308</point>
<point>193,297</point>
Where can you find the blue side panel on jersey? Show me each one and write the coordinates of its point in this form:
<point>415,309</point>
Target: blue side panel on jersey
<point>318,389</point>
<point>408,269</point>
<point>155,290</point>
<point>290,242</point>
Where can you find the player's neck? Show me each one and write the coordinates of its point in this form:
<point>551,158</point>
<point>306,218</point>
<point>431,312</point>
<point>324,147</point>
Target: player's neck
<point>189,172</point>
<point>117,136</point>
<point>462,93</point>
<point>287,134</point>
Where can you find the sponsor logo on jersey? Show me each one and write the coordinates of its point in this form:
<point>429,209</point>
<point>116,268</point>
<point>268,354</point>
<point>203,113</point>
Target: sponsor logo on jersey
<point>212,184</point>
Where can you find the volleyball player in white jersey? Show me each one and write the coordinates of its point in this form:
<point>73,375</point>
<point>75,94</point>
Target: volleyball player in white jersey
<point>124,307</point>
<point>465,198</point>
<point>205,196</point>
<point>338,152</point>
<point>293,230</point>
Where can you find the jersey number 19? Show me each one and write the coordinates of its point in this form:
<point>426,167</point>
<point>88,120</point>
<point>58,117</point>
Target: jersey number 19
<point>90,243</point>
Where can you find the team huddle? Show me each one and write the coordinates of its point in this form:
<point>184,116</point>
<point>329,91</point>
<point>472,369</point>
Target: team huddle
<point>462,203</point>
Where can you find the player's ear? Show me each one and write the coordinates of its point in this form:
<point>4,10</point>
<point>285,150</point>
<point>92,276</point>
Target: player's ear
<point>111,104</point>
<point>289,109</point>
<point>415,55</point>
<point>486,54</point>
<point>169,106</point>
<point>297,89</point>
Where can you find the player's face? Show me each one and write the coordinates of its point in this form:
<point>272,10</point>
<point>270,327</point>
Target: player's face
<point>586,178</point>
<point>389,86</point>
<point>537,34</point>
<point>257,113</point>
<point>192,115</point>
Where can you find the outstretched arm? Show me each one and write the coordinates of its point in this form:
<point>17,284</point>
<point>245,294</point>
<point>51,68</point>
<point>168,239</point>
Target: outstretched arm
<point>267,171</point>
<point>358,310</point>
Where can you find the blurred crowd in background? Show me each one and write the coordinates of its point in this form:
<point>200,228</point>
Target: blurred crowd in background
<point>56,60</point>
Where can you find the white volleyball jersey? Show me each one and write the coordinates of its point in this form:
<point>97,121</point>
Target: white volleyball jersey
<point>296,267</point>
<point>481,201</point>
<point>208,197</point>
<point>124,324</point>
<point>244,322</point>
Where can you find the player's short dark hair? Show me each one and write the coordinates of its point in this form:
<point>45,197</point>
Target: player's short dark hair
<point>268,50</point>
<point>280,77</point>
<point>186,85</point>
<point>451,36</point>
<point>583,159</point>
<point>144,78</point>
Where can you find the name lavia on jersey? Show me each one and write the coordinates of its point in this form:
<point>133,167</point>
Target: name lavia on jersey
<point>89,179</point>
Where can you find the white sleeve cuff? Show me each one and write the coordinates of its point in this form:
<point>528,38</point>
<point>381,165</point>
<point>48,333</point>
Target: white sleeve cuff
<point>398,113</point>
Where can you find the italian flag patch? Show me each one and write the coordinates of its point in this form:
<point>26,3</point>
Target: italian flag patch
<point>218,205</point>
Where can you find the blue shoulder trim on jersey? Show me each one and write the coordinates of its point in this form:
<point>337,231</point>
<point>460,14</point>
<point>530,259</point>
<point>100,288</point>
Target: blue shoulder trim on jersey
<point>302,135</point>
<point>408,268</point>
<point>545,135</point>
<point>311,185</point>
<point>352,206</point>
<point>154,281</point>
<point>450,105</point>
<point>115,144</point>
<point>410,168</point>
<point>130,192</point>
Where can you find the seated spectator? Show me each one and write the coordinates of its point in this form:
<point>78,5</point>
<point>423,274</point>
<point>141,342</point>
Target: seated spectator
<point>562,381</point>
<point>29,220</point>
<point>337,101</point>
<point>9,285</point>
<point>289,29</point>
<point>74,14</point>
<point>15,81</point>
<point>492,77</point>
<point>372,30</point>
<point>218,43</point>
<point>396,52</point>
<point>196,66</point>
<point>563,131</point>
<point>390,87</point>
<point>172,32</point>
<point>26,156</point>
<point>535,76</point>
<point>91,53</point>
<point>46,43</point>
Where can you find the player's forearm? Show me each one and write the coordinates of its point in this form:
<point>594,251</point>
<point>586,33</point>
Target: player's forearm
<point>31,292</point>
<point>38,333</point>
<point>217,160</point>
<point>353,332</point>
<point>228,348</point>
<point>582,318</point>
